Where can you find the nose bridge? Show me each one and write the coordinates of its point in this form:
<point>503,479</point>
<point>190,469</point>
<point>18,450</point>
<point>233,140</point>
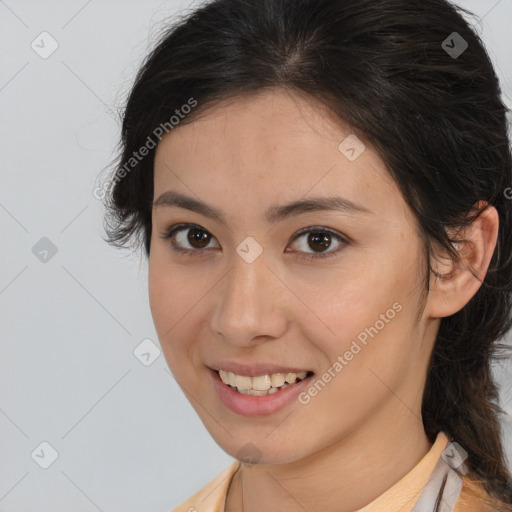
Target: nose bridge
<point>247,305</point>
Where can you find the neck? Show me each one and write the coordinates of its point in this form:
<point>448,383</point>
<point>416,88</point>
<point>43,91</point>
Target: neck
<point>346,476</point>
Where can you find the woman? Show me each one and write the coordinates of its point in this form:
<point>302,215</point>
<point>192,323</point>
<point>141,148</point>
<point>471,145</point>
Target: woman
<point>320,187</point>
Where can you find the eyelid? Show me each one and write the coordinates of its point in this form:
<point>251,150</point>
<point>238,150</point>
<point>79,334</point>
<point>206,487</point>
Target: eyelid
<point>320,255</point>
<point>321,229</point>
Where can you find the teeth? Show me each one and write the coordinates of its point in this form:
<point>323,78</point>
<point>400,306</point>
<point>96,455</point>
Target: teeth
<point>291,378</point>
<point>240,381</point>
<point>254,392</point>
<point>277,379</point>
<point>262,384</point>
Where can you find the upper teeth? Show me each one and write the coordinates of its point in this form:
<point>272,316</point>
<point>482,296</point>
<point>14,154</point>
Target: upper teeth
<point>261,382</point>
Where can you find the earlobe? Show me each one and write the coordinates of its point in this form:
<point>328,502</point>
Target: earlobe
<point>454,283</point>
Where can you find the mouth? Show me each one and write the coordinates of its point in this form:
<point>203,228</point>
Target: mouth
<point>262,385</point>
<point>239,393</point>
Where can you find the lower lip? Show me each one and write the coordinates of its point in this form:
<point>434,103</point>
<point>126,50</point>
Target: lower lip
<point>249,405</point>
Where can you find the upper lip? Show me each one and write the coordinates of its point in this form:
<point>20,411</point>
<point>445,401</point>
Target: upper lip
<point>256,369</point>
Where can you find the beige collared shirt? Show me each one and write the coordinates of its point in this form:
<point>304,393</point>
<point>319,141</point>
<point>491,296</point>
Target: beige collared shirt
<point>401,497</point>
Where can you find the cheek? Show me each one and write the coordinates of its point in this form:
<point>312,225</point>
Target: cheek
<point>169,296</point>
<point>167,308</point>
<point>177,299</point>
<point>366,355</point>
<point>157,286</point>
<point>364,331</point>
<point>366,314</point>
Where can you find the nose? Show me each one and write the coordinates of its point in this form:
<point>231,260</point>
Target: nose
<point>250,304</point>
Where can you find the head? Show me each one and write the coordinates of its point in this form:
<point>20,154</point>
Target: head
<point>411,273</point>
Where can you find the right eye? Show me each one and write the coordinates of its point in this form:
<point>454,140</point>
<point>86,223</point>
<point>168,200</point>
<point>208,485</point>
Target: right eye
<point>181,234</point>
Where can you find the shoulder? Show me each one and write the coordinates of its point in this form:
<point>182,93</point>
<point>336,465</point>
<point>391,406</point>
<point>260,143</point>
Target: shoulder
<point>212,496</point>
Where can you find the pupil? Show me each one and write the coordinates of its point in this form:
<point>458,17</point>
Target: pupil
<point>198,236</point>
<point>323,240</point>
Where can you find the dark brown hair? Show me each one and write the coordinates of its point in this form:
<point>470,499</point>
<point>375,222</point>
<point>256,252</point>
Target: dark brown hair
<point>436,119</point>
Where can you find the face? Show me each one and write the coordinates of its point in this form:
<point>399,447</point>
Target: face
<point>333,291</point>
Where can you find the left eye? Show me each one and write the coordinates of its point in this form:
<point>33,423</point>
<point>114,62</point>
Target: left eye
<point>319,239</point>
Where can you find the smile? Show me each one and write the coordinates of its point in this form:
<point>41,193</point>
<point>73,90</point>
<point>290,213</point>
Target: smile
<point>239,394</point>
<point>262,384</point>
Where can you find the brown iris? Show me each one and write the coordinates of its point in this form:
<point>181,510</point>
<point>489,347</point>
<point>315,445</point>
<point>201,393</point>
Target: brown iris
<point>199,236</point>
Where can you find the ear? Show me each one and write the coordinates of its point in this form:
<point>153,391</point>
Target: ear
<point>453,284</point>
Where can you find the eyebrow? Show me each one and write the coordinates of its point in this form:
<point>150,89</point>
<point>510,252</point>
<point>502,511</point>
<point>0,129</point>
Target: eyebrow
<point>275,213</point>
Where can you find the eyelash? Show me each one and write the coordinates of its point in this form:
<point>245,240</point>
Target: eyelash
<point>169,234</point>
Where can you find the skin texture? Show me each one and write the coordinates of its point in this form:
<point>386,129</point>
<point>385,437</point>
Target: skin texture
<point>363,432</point>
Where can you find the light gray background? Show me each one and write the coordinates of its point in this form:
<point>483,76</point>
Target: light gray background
<point>127,438</point>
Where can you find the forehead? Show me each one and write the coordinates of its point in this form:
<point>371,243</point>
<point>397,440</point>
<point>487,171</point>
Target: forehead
<point>273,146</point>
<point>283,122</point>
